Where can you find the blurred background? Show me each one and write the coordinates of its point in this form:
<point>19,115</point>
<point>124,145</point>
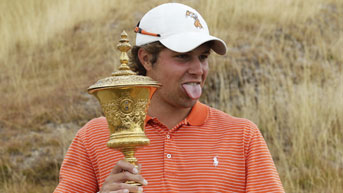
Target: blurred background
<point>283,71</point>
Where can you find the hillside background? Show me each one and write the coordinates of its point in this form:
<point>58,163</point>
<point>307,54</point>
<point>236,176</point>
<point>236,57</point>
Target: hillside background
<point>283,71</point>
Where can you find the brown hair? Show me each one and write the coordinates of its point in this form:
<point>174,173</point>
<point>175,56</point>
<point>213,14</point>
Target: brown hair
<point>153,48</point>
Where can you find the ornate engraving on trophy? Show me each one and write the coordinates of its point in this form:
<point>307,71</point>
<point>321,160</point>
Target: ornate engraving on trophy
<point>110,110</point>
<point>126,113</point>
<point>124,98</point>
<point>126,106</point>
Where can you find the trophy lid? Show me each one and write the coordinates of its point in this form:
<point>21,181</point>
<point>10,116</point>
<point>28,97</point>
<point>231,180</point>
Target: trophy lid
<point>124,77</point>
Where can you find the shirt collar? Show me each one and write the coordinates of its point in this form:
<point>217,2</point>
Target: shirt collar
<point>196,117</point>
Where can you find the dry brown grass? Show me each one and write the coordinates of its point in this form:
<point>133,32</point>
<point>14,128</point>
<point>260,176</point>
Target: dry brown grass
<point>283,71</point>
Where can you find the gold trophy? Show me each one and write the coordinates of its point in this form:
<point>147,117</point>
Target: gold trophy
<point>124,99</point>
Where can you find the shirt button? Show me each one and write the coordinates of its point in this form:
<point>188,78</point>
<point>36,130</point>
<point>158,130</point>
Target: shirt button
<point>168,136</point>
<point>168,155</point>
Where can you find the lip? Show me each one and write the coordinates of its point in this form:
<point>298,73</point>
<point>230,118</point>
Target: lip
<point>190,82</point>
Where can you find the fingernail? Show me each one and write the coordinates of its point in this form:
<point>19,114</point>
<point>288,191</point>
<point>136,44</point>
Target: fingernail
<point>140,189</point>
<point>145,182</point>
<point>126,191</point>
<point>135,171</point>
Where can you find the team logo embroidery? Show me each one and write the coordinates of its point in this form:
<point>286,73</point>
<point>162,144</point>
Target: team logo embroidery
<point>197,23</point>
<point>215,161</point>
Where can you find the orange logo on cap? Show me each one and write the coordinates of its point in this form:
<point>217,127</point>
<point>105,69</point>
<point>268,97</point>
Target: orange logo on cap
<point>196,19</point>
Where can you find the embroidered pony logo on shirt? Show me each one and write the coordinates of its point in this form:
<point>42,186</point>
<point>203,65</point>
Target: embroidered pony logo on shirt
<point>197,23</point>
<point>215,161</point>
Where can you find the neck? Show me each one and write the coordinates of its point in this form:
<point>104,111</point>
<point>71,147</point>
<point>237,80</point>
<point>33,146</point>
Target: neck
<point>167,114</point>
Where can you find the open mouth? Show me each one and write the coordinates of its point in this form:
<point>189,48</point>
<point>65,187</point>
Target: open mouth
<point>193,89</point>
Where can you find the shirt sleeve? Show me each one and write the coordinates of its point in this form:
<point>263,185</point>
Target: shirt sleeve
<point>77,173</point>
<point>262,175</point>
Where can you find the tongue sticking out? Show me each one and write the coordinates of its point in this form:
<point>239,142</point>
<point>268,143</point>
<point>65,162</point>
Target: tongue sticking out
<point>193,90</point>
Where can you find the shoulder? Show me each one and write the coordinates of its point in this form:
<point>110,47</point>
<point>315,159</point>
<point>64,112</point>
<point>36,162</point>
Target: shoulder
<point>95,127</point>
<point>225,124</point>
<point>221,118</point>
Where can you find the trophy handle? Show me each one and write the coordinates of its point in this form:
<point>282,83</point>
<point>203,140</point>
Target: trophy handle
<point>129,154</point>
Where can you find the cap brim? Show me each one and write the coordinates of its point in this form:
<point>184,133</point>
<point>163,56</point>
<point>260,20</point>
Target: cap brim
<point>186,42</point>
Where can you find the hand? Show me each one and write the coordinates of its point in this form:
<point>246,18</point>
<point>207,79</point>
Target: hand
<point>123,171</point>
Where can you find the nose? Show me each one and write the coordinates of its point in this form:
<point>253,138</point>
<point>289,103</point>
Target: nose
<point>196,67</point>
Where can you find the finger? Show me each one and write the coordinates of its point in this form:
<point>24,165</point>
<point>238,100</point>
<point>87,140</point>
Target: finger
<point>123,177</point>
<point>120,191</point>
<point>124,165</point>
<point>122,187</point>
<point>127,176</point>
<point>139,166</point>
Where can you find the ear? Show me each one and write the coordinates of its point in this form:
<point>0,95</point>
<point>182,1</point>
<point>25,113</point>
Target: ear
<point>145,58</point>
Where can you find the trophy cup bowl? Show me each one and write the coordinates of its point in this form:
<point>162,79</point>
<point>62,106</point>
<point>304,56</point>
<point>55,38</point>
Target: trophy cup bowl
<point>124,98</point>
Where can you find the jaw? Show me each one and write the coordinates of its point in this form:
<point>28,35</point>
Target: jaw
<point>171,102</point>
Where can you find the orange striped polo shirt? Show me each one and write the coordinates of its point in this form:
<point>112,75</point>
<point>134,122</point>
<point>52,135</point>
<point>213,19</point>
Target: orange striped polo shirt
<point>209,151</point>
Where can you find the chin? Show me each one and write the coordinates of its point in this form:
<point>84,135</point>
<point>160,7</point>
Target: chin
<point>189,103</point>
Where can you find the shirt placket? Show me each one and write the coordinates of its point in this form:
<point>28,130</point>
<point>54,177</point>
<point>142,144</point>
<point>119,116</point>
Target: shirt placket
<point>170,154</point>
<point>169,151</point>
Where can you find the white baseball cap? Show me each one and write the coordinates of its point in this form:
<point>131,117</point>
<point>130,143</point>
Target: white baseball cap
<point>178,27</point>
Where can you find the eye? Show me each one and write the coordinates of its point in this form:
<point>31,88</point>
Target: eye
<point>183,56</point>
<point>203,57</point>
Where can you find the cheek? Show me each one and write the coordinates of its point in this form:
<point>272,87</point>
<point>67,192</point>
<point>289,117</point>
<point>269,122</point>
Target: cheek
<point>165,76</point>
<point>205,70</point>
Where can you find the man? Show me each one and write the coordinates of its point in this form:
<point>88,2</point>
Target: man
<point>194,148</point>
